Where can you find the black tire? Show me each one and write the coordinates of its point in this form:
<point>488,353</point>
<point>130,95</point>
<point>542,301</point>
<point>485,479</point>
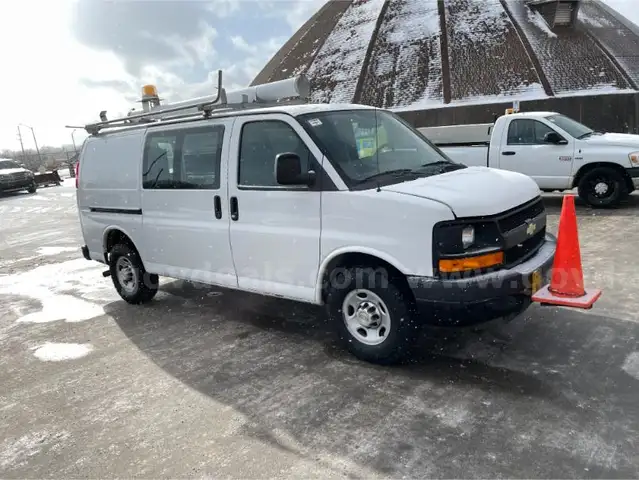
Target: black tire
<point>143,286</point>
<point>612,179</point>
<point>402,332</point>
<point>33,188</point>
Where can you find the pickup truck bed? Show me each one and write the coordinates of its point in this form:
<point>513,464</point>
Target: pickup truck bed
<point>473,156</point>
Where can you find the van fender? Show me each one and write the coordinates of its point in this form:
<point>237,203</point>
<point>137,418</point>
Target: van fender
<point>106,233</point>
<point>352,249</point>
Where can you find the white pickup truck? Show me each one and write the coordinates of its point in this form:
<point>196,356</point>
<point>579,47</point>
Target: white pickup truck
<point>558,152</point>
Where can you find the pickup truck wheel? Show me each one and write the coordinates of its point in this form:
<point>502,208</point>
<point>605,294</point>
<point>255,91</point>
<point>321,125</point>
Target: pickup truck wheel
<point>129,277</point>
<point>373,317</point>
<point>602,187</point>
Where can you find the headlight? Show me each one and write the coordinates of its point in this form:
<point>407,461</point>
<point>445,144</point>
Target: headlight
<point>634,158</point>
<point>468,236</point>
<point>453,238</point>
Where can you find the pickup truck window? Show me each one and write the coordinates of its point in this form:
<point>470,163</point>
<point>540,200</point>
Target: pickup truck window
<point>6,164</point>
<point>183,159</point>
<point>260,143</point>
<point>527,132</point>
<point>570,126</point>
<point>375,146</point>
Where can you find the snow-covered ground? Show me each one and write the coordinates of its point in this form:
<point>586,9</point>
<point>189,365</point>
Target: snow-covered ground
<point>212,383</point>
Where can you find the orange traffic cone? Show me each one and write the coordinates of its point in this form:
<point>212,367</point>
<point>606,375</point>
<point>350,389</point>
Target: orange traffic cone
<point>566,286</point>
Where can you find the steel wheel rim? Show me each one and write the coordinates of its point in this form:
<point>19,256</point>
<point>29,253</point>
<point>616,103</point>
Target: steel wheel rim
<point>366,317</point>
<point>602,187</point>
<point>127,275</point>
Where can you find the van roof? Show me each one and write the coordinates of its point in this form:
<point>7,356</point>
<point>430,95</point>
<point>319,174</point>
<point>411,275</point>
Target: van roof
<point>293,110</point>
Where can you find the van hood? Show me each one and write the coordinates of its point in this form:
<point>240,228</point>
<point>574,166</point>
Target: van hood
<point>473,191</point>
<point>614,140</point>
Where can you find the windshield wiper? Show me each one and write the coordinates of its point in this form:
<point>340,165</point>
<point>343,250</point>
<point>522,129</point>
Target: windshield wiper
<point>393,173</point>
<point>444,165</point>
<point>587,134</point>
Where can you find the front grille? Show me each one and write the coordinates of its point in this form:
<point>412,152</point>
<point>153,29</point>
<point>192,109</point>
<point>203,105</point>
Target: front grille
<point>519,233</point>
<point>523,251</point>
<point>520,214</point>
<point>14,178</point>
<point>511,226</point>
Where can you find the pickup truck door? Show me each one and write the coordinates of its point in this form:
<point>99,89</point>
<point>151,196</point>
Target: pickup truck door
<point>522,149</point>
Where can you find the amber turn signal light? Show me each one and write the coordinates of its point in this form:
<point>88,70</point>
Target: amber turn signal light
<point>450,265</point>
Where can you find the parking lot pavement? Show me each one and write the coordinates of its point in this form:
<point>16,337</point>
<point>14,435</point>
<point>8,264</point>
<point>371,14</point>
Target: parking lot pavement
<point>208,382</point>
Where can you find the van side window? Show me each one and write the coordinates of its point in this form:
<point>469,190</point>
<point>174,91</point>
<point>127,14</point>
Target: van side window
<point>260,143</point>
<point>527,132</point>
<point>183,159</point>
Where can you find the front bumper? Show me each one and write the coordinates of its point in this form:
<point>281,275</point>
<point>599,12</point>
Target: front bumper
<point>634,175</point>
<point>482,297</point>
<point>15,186</point>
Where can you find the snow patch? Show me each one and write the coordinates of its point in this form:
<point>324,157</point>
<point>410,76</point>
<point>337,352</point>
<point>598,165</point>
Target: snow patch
<point>631,365</point>
<point>61,307</point>
<point>57,352</point>
<point>16,453</point>
<point>521,93</point>
<point>53,250</point>
<point>71,291</point>
<point>597,22</point>
<point>538,20</point>
<point>598,89</point>
<point>413,28</point>
<point>338,64</point>
<point>481,23</point>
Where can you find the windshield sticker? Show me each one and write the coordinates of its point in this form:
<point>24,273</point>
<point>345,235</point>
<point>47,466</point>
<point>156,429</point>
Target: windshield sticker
<point>314,122</point>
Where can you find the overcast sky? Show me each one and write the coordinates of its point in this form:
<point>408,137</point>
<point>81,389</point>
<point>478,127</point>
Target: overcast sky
<point>65,60</point>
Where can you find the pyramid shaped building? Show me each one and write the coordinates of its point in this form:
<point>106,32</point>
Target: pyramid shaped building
<point>463,61</point>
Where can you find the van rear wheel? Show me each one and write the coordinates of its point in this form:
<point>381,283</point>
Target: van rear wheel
<point>373,316</point>
<point>132,282</point>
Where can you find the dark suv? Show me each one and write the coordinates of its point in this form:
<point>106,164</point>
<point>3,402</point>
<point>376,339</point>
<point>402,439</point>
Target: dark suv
<point>14,178</point>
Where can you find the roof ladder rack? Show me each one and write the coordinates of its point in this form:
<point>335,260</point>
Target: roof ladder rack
<point>293,90</point>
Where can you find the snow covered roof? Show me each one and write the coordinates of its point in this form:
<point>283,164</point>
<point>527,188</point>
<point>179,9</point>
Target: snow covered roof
<point>388,53</point>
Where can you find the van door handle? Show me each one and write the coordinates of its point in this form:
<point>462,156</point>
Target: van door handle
<point>217,204</point>
<point>235,214</point>
<point>507,153</point>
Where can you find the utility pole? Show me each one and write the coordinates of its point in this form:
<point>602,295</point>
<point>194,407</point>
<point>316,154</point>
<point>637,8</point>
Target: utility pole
<point>34,141</point>
<point>24,155</point>
<point>73,140</point>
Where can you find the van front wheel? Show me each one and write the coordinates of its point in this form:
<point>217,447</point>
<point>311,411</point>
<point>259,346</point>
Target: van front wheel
<point>374,318</point>
<point>129,277</point>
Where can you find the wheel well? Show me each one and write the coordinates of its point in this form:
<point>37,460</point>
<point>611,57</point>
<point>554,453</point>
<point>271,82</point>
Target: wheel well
<point>591,166</point>
<point>353,259</point>
<point>113,238</point>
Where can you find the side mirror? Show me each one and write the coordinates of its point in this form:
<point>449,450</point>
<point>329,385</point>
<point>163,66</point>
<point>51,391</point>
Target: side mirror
<point>288,170</point>
<point>555,138</point>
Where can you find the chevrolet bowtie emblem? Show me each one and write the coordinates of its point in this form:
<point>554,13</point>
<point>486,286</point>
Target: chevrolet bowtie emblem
<point>532,227</point>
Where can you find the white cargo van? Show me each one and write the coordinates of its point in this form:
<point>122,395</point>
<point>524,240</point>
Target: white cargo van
<point>558,152</point>
<point>345,206</point>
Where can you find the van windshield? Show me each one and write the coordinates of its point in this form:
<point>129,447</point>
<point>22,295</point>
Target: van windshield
<point>370,147</point>
<point>6,164</point>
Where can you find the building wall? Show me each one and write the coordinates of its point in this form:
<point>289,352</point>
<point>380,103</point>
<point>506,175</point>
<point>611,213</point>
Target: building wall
<point>609,113</point>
